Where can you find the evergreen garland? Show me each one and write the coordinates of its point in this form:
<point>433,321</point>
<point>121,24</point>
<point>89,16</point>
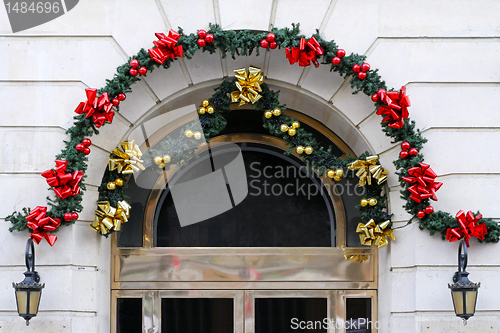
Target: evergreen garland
<point>243,43</point>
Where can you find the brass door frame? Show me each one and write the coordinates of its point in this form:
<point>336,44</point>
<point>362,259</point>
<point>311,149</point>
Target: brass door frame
<point>244,304</point>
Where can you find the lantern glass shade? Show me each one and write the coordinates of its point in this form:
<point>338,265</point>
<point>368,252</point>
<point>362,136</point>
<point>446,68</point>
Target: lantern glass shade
<point>470,301</point>
<point>464,301</point>
<point>28,301</point>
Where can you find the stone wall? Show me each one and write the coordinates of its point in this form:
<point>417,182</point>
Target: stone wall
<point>446,52</point>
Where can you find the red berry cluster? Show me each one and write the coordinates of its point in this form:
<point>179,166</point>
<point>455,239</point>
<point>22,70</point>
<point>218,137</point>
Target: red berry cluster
<point>340,54</point>
<point>70,216</point>
<point>84,146</point>
<point>427,210</point>
<point>361,70</point>
<point>118,99</point>
<point>407,151</point>
<point>269,42</point>
<point>134,63</point>
<point>204,38</point>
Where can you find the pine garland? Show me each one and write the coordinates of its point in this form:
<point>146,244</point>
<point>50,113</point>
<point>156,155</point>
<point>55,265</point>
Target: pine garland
<point>244,43</point>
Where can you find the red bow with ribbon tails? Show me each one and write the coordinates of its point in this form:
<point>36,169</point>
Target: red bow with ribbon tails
<point>468,228</point>
<point>396,110</point>
<point>424,186</point>
<point>97,108</point>
<point>41,225</point>
<point>64,184</point>
<point>305,53</point>
<point>165,47</point>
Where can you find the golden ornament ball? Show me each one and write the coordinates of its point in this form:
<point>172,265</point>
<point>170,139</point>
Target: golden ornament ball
<point>372,201</point>
<point>277,112</point>
<point>339,172</point>
<point>166,159</point>
<point>210,109</point>
<point>111,186</point>
<point>197,135</point>
<point>330,173</point>
<point>188,133</point>
<point>309,150</point>
<point>205,103</point>
<point>292,131</point>
<point>284,128</point>
<point>119,182</point>
<point>299,149</point>
<point>337,179</point>
<point>363,202</point>
<point>158,160</point>
<point>202,110</point>
<point>268,114</point>
<point>295,124</point>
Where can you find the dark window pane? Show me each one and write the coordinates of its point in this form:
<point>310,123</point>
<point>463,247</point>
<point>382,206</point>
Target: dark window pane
<point>286,315</point>
<point>358,315</point>
<point>129,318</point>
<point>197,315</point>
<point>285,207</point>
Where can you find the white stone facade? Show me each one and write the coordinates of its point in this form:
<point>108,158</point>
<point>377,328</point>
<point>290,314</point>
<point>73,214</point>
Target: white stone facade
<point>446,52</point>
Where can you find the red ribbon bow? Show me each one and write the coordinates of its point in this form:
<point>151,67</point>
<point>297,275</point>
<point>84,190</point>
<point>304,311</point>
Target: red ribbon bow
<point>468,228</point>
<point>305,56</point>
<point>396,110</point>
<point>64,184</point>
<point>165,47</point>
<point>425,185</point>
<point>41,225</point>
<point>97,108</point>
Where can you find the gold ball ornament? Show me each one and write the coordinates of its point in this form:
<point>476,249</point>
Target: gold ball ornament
<point>299,149</point>
<point>188,133</point>
<point>166,159</point>
<point>295,124</point>
<point>111,186</point>
<point>363,202</point>
<point>197,135</point>
<point>119,182</point>
<point>337,179</point>
<point>309,150</point>
<point>202,110</point>
<point>372,201</point>
<point>205,103</point>
<point>330,173</point>
<point>161,165</point>
<point>268,114</point>
<point>158,160</point>
<point>339,172</point>
<point>210,109</point>
<point>277,112</point>
<point>292,131</point>
<point>284,128</point>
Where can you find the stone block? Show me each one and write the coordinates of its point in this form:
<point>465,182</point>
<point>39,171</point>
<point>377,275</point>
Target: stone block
<point>165,82</point>
<point>403,295</point>
<point>30,149</point>
<point>241,14</point>
<point>138,102</point>
<point>425,18</point>
<point>404,60</point>
<point>110,135</point>
<point>44,103</point>
<point>204,66</point>
<point>356,107</point>
<point>372,130</point>
<point>245,62</point>
<point>344,25</point>
<point>89,200</point>
<point>46,59</point>
<point>397,203</point>
<point>53,322</point>
<point>97,164</point>
<point>322,82</point>
<point>189,16</point>
<point>296,11</point>
<point>17,192</point>
<point>280,68</point>
<point>432,104</point>
<point>386,159</point>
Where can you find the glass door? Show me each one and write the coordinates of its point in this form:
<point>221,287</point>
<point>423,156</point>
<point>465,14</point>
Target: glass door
<point>245,311</point>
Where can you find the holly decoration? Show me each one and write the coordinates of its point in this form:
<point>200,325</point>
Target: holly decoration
<point>392,105</point>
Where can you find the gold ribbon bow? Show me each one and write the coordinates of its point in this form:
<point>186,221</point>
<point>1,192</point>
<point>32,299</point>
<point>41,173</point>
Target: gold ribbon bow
<point>248,85</point>
<point>130,158</point>
<point>372,234</point>
<point>108,217</point>
<point>368,169</point>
